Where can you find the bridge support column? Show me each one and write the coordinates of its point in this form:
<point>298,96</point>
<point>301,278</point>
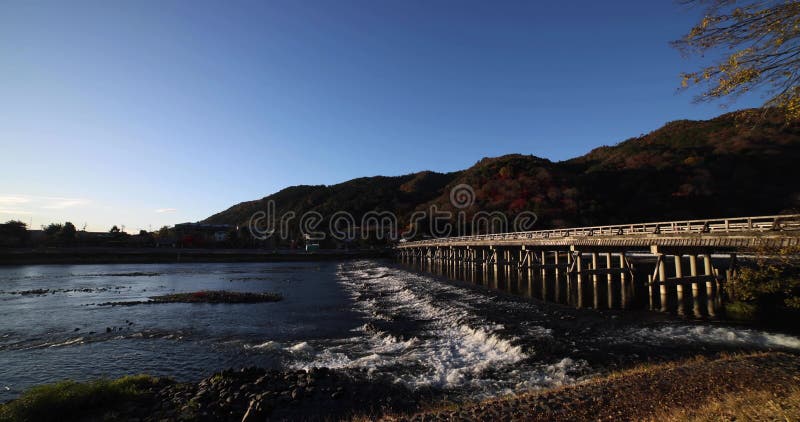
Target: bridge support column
<point>579,268</point>
<point>595,283</point>
<point>445,261</point>
<point>659,278</point>
<point>623,284</point>
<point>509,265</point>
<point>541,260</point>
<point>711,285</point>
<point>481,263</point>
<point>449,261</point>
<point>463,261</point>
<point>568,283</point>
<point>495,257</point>
<point>526,270</point>
<point>464,265</point>
<point>662,280</point>
<point>610,280</point>
<point>679,284</point>
<point>474,264</point>
<point>556,279</point>
<point>458,264</point>
<point>695,286</point>
<point>529,260</point>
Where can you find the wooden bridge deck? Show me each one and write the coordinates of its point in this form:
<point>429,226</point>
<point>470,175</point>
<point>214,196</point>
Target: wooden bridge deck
<point>723,234</point>
<point>590,266</point>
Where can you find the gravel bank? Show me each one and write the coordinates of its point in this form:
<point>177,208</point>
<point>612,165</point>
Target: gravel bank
<point>641,393</point>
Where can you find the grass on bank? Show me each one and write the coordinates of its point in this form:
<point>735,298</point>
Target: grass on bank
<point>70,400</point>
<point>741,406</point>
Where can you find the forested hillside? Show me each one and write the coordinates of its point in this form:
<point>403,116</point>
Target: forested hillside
<point>740,163</point>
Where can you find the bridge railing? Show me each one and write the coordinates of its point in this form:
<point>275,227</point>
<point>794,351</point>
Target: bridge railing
<point>722,225</point>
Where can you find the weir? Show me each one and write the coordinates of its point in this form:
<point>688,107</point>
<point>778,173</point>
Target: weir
<point>680,267</point>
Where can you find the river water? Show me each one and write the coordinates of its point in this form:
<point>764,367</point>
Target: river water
<point>369,316</point>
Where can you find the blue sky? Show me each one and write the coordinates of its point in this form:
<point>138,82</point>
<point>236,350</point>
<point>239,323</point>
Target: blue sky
<point>145,113</point>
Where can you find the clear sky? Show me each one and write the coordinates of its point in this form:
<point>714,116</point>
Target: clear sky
<point>145,113</point>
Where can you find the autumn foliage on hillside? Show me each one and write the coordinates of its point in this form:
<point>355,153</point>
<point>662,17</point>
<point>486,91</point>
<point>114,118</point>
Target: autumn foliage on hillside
<point>741,163</point>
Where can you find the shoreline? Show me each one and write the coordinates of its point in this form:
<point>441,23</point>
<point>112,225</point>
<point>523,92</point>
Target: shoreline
<point>118,255</point>
<point>736,386</point>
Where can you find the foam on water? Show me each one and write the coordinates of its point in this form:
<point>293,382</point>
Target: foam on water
<point>716,335</point>
<point>422,332</point>
<point>302,347</point>
<point>77,340</point>
<point>449,347</point>
<point>267,345</point>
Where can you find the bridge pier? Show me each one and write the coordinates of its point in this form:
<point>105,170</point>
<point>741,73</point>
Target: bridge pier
<point>695,286</point>
<point>595,287</point>
<point>578,265</point>
<point>530,260</point>
<point>556,279</point>
<point>573,279</point>
<point>569,282</point>
<point>679,285</point>
<point>505,260</point>
<point>509,263</point>
<point>495,267</point>
<point>711,285</point>
<point>662,280</point>
<point>623,282</point>
<point>609,282</point>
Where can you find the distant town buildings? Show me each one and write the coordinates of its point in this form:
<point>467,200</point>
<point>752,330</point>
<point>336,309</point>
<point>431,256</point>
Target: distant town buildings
<point>201,234</point>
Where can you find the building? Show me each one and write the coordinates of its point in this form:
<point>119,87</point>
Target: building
<point>201,234</point>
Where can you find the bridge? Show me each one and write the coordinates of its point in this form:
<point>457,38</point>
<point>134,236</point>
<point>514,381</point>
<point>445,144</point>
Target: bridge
<point>614,266</point>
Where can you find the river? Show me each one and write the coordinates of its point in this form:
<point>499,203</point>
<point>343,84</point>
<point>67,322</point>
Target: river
<point>371,316</point>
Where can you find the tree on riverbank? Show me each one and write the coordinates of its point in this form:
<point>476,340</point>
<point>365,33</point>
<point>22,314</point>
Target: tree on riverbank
<point>758,46</point>
<point>57,232</point>
<point>52,229</point>
<point>768,287</point>
<point>13,233</point>
<point>68,232</point>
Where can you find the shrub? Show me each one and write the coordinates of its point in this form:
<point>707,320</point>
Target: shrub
<point>68,400</point>
<point>774,280</point>
<point>741,311</point>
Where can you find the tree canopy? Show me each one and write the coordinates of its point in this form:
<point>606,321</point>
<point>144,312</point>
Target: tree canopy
<point>756,45</point>
<point>13,228</point>
<point>68,231</point>
<point>52,229</point>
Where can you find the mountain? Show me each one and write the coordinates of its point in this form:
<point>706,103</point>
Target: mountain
<point>740,163</point>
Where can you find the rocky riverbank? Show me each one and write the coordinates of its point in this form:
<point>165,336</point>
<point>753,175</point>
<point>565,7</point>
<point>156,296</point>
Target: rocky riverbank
<point>249,394</point>
<point>761,386</point>
<point>318,394</point>
<point>730,387</point>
